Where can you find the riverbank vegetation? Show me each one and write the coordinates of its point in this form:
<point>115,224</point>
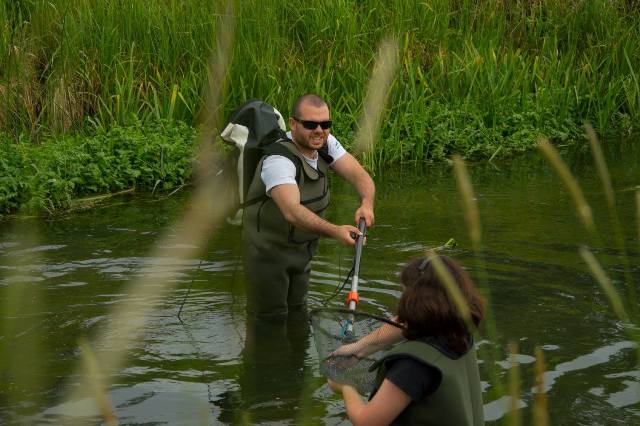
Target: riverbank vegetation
<point>478,78</point>
<point>45,177</point>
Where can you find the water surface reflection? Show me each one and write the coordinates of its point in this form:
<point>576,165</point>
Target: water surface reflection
<point>204,369</point>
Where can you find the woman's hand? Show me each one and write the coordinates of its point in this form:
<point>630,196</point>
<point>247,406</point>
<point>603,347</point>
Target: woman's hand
<point>346,350</point>
<point>335,386</point>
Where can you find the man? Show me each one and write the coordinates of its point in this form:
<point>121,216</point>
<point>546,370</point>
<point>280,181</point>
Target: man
<point>280,234</point>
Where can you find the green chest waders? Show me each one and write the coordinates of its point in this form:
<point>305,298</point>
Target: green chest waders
<point>276,254</point>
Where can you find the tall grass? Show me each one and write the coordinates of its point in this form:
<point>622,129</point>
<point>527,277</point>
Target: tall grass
<point>477,78</point>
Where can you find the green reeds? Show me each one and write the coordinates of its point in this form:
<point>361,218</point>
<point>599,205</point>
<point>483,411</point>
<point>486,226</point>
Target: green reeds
<point>479,79</point>
<point>476,78</point>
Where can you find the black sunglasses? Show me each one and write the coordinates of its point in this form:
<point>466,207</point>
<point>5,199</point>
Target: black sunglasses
<point>312,125</point>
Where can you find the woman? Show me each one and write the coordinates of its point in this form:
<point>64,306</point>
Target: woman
<point>432,377</point>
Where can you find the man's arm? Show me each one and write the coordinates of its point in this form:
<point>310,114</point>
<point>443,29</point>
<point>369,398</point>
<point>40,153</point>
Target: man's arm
<point>350,169</point>
<point>287,198</point>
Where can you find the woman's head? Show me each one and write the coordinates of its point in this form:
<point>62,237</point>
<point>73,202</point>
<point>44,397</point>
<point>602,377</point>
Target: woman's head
<point>427,310</point>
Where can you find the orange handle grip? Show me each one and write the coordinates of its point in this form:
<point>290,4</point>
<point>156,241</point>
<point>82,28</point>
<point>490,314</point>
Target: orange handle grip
<point>353,296</point>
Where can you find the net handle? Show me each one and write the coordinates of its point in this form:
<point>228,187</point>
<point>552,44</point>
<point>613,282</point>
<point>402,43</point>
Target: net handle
<point>352,297</point>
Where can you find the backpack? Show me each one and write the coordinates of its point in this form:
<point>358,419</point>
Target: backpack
<point>252,127</point>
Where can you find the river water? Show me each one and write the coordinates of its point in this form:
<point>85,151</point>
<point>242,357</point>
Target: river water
<point>75,269</point>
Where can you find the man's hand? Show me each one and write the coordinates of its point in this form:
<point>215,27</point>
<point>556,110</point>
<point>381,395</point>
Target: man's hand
<point>366,212</point>
<point>345,234</point>
<point>287,198</point>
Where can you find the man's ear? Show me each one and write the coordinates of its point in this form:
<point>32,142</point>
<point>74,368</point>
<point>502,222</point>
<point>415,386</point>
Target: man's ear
<point>292,122</point>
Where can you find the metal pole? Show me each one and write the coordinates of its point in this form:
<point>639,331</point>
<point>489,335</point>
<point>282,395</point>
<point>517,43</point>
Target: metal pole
<point>352,298</point>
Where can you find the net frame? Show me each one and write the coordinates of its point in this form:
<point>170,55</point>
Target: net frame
<point>348,359</point>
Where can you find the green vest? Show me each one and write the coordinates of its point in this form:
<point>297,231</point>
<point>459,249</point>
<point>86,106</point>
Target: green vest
<point>458,398</point>
<point>263,220</point>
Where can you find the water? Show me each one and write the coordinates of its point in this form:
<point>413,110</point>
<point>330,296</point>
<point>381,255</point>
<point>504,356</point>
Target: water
<point>73,270</point>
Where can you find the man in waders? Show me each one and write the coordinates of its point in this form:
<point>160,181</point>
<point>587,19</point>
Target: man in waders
<point>280,234</point>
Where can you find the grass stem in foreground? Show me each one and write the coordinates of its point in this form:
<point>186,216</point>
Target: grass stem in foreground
<point>601,166</point>
<point>638,213</point>
<point>97,385</point>
<point>607,187</point>
<point>605,284</point>
<point>451,288</point>
<point>582,207</point>
<point>514,417</point>
<point>614,298</point>
<point>472,215</point>
<point>540,404</point>
<point>376,97</point>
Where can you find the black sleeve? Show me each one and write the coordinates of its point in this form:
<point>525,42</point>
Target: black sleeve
<point>414,378</point>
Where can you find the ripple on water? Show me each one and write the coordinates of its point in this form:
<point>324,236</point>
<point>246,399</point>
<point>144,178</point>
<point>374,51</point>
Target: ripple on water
<point>38,249</point>
<point>627,391</point>
<point>8,244</point>
<point>212,328</point>
<point>73,284</point>
<point>21,279</point>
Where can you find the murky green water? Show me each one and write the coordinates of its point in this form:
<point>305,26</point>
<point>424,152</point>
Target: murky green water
<point>75,268</point>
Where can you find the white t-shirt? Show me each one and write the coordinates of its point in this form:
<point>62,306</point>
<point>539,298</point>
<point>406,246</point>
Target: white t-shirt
<point>278,170</point>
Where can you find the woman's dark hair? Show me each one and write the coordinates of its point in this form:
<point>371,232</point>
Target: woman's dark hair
<point>427,311</point>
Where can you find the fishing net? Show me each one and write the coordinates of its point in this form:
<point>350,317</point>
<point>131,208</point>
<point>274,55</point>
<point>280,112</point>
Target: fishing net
<point>349,343</point>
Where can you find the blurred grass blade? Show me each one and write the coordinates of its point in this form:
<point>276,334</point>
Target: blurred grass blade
<point>451,288</point>
<point>601,165</point>
<point>209,114</point>
<point>638,213</point>
<point>96,383</point>
<point>190,232</point>
<point>583,209</point>
<point>514,417</point>
<point>472,218</point>
<point>605,284</point>
<point>618,234</point>
<point>541,406</point>
<point>376,95</point>
<point>472,215</point>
